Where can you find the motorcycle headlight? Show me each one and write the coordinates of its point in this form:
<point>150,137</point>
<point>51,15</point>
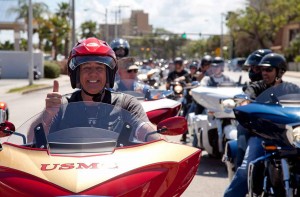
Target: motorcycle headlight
<point>228,104</point>
<point>178,89</point>
<point>293,134</point>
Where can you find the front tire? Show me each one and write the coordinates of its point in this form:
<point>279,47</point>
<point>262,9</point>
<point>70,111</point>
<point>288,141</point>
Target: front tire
<point>7,114</point>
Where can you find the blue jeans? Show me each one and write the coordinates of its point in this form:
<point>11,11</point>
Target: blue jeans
<point>238,185</point>
<point>242,140</point>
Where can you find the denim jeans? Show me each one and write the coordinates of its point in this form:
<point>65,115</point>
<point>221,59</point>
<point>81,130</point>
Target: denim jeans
<point>243,136</point>
<point>238,185</point>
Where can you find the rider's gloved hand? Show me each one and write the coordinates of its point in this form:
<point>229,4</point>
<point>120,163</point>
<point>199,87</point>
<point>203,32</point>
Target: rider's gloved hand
<point>53,102</point>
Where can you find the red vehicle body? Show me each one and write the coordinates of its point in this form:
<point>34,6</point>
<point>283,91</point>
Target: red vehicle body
<point>84,161</point>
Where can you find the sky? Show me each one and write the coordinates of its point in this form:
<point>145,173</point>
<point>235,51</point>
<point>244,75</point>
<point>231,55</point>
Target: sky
<point>178,16</point>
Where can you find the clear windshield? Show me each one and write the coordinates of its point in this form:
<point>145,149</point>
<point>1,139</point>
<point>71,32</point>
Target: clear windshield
<point>284,92</point>
<point>83,127</point>
<point>143,91</point>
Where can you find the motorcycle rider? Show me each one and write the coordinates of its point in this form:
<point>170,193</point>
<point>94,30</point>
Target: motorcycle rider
<point>92,66</point>
<point>272,66</point>
<point>121,47</point>
<point>128,70</point>
<point>254,73</point>
<point>179,74</point>
<point>193,67</point>
<point>215,72</point>
<point>252,62</point>
<point>205,65</point>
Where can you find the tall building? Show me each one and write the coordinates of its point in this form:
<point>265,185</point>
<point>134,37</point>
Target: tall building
<point>136,25</point>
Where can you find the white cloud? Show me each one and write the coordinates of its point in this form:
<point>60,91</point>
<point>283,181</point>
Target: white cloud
<point>193,16</point>
<point>177,16</point>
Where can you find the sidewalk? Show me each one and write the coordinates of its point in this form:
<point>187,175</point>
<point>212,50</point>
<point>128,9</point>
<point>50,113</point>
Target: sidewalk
<point>7,84</point>
<point>294,74</point>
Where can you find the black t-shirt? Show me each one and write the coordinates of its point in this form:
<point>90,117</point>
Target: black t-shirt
<point>65,117</point>
<point>173,75</point>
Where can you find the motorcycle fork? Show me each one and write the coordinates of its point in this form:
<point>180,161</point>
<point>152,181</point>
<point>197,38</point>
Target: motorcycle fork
<point>219,123</point>
<point>286,177</point>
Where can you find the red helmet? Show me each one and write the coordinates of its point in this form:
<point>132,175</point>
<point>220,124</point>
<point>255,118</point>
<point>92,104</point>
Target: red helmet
<point>92,50</point>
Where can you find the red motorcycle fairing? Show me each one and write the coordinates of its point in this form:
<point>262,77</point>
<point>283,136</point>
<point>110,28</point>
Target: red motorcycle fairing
<point>158,179</point>
<point>110,157</point>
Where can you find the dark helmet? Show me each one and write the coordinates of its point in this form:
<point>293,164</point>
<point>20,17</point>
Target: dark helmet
<point>194,64</point>
<point>253,60</point>
<point>92,49</point>
<point>178,60</point>
<point>120,43</point>
<point>275,60</point>
<point>206,60</point>
<point>255,57</point>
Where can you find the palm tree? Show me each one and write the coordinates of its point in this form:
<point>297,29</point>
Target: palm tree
<point>64,13</point>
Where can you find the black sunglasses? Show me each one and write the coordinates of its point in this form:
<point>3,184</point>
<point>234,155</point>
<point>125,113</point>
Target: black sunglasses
<point>266,69</point>
<point>134,70</point>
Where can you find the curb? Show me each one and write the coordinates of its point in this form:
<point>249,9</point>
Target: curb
<point>36,89</point>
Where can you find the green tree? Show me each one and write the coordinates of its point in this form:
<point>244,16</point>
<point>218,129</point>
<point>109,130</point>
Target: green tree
<point>64,13</point>
<point>39,9</point>
<point>260,23</point>
<point>6,46</point>
<point>89,29</point>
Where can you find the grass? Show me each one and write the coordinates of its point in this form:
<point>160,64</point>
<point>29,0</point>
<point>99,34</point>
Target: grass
<point>26,88</point>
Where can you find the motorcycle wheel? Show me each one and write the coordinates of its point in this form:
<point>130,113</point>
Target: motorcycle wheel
<point>213,141</point>
<point>7,114</point>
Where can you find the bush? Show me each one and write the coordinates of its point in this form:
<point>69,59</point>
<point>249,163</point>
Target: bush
<point>51,70</point>
<point>297,59</point>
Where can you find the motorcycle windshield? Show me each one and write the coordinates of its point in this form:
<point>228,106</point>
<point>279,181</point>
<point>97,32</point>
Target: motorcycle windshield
<point>83,127</point>
<point>142,91</point>
<point>282,93</point>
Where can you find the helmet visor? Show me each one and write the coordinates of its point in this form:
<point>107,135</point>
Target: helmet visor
<point>79,60</point>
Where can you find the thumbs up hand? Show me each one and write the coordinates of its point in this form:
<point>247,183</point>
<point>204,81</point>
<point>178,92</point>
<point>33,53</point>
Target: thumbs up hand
<point>53,102</point>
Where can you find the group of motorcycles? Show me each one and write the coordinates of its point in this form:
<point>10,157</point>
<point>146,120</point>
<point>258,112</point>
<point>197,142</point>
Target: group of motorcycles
<point>109,159</point>
<point>273,116</point>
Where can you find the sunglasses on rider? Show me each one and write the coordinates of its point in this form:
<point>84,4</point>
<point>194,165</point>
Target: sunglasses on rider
<point>133,70</point>
<point>266,69</point>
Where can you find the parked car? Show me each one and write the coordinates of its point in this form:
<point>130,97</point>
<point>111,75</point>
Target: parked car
<point>236,64</point>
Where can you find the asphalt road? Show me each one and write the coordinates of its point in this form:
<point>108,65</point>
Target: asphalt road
<point>211,178</point>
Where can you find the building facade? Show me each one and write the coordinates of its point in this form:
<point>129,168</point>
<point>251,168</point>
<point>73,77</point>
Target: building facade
<point>136,25</point>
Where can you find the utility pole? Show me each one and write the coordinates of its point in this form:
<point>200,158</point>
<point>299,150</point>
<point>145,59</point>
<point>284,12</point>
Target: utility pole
<point>73,23</point>
<point>118,11</point>
<point>221,39</point>
<point>116,24</point>
<point>30,50</point>
<point>106,25</point>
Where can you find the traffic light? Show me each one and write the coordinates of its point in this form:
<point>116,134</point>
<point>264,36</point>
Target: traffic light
<point>183,35</point>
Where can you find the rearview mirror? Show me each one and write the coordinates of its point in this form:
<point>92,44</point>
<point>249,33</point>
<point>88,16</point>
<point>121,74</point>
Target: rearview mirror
<point>172,126</point>
<point>6,129</point>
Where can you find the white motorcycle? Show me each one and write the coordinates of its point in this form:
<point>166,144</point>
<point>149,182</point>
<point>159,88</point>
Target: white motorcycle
<point>217,124</point>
